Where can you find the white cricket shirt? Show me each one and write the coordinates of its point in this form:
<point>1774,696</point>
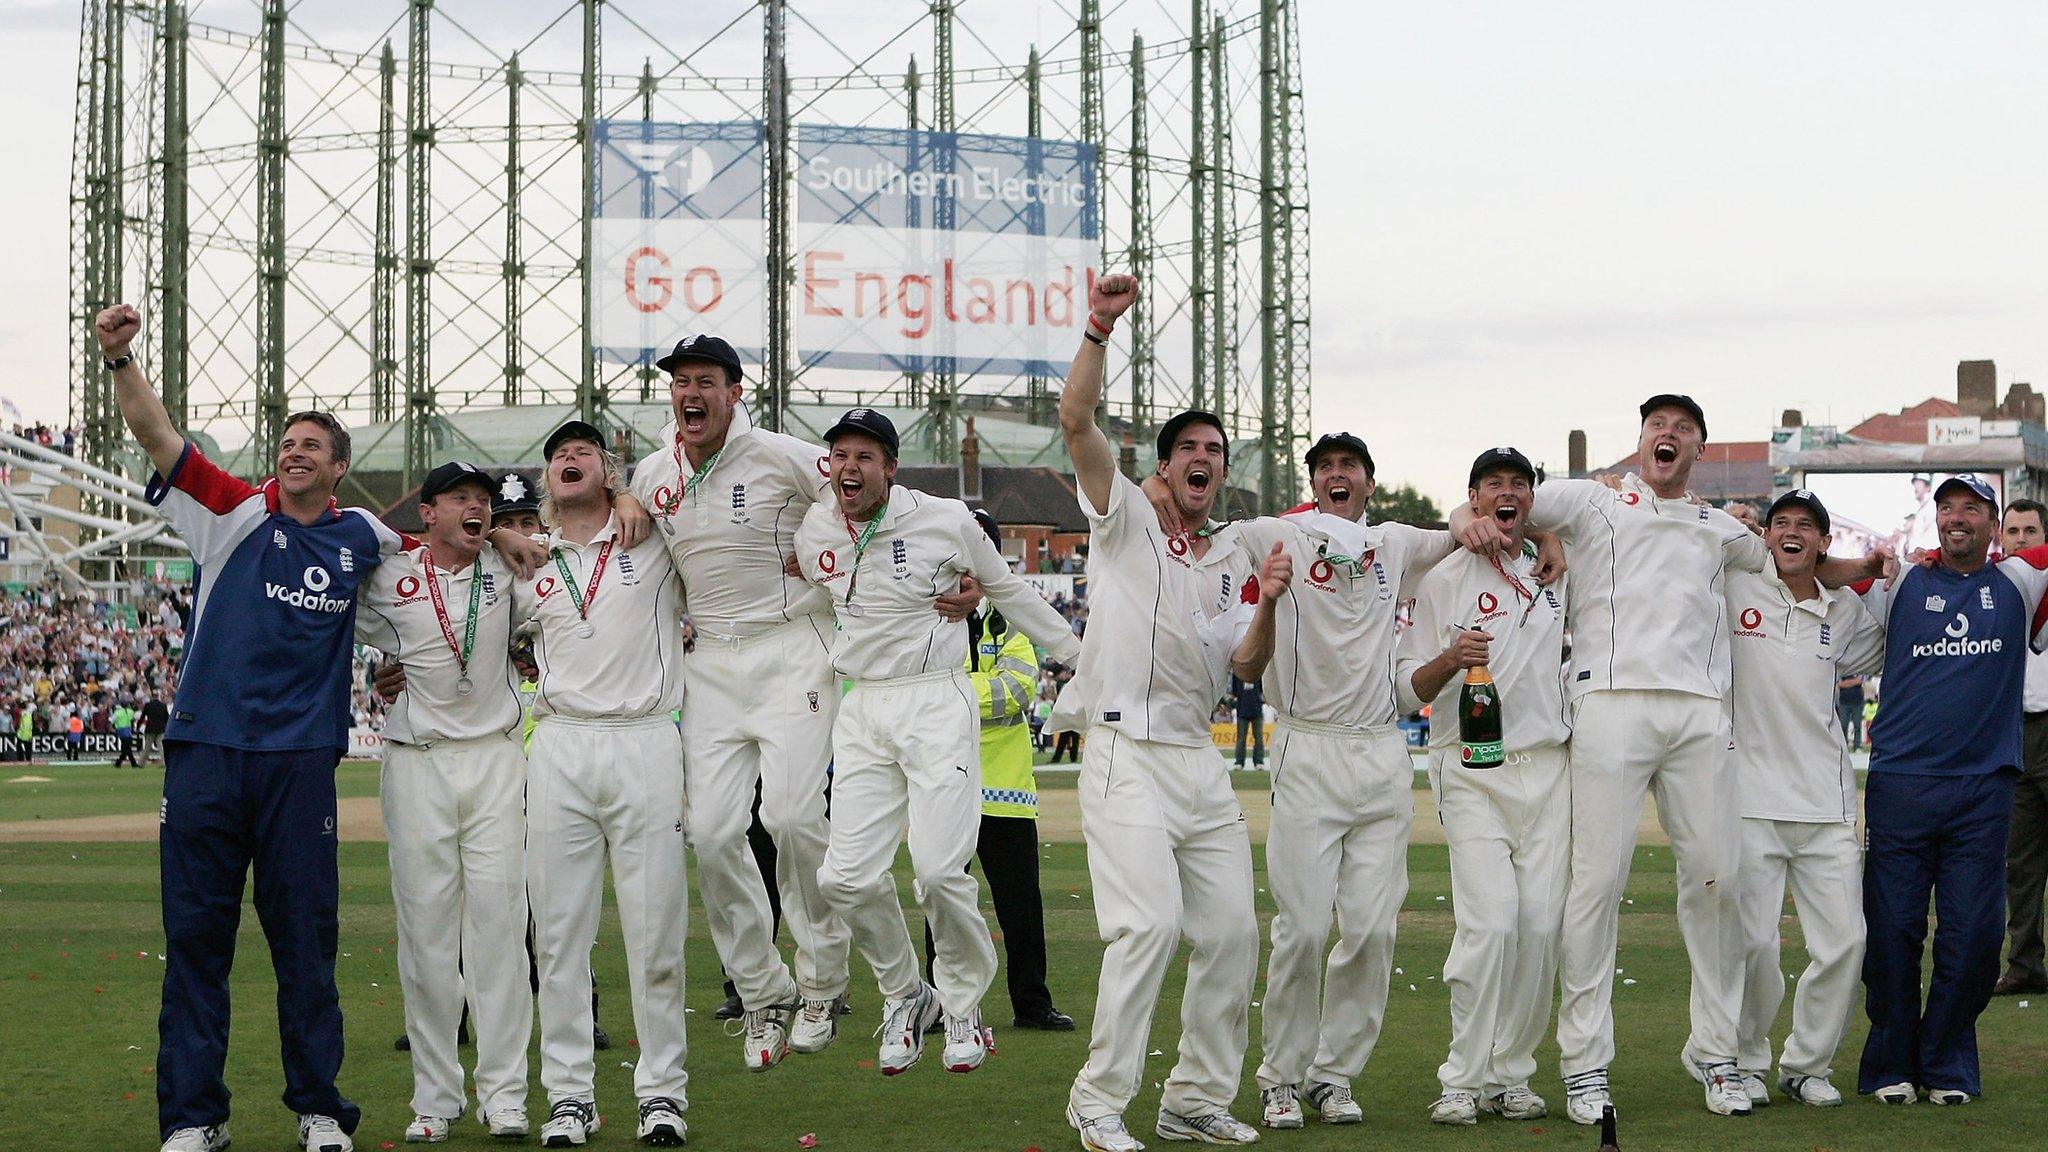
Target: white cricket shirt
<point>1647,608</point>
<point>1526,656</point>
<point>631,665</point>
<point>1790,755</point>
<point>396,615</point>
<point>2036,695</point>
<point>729,534</point>
<point>1161,625</point>
<point>1333,653</point>
<point>883,595</point>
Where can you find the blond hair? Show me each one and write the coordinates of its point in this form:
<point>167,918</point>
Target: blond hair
<point>614,481</point>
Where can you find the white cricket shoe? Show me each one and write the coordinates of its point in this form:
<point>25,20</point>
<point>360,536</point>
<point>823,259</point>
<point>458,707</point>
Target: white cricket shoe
<point>1811,1090</point>
<point>968,1042</point>
<point>661,1123</point>
<point>505,1123</point>
<point>904,1020</point>
<point>1585,1095</point>
<point>1455,1108</point>
<point>1948,1096</point>
<point>571,1124</point>
<point>319,1133</point>
<point>1213,1128</point>
<point>1334,1103</point>
<point>1103,1133</point>
<point>210,1139</point>
<point>1724,1092</point>
<point>1753,1086</point>
<point>428,1129</point>
<point>766,1039</point>
<point>1280,1107</point>
<point>817,1022</point>
<point>1517,1103</point>
<point>1901,1093</point>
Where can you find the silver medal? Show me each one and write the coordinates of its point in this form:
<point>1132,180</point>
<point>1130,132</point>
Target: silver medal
<point>463,687</point>
<point>585,630</point>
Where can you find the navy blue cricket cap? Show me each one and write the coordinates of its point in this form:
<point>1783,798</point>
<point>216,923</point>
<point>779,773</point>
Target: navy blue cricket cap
<point>1806,499</point>
<point>868,422</point>
<point>1340,442</point>
<point>703,347</point>
<point>451,475</point>
<point>1683,403</point>
<point>989,526</point>
<point>1171,430</point>
<point>1975,483</point>
<point>572,430</point>
<point>1494,459</point>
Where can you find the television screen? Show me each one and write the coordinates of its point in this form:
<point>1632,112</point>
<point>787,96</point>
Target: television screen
<point>1895,508</point>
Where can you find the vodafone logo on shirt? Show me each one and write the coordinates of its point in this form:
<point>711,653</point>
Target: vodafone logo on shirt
<point>545,587</point>
<point>1750,622</point>
<point>1319,573</point>
<point>1489,608</point>
<point>1958,642</point>
<point>311,595</point>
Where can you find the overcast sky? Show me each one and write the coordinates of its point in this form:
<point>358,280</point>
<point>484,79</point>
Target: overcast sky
<point>1527,215</point>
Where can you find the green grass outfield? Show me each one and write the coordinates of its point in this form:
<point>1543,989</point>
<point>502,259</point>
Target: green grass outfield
<point>80,974</point>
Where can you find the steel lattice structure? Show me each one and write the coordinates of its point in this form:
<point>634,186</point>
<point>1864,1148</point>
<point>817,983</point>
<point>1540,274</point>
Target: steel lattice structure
<point>398,230</point>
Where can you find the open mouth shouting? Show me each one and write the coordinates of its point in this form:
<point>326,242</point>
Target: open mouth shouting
<point>694,418</point>
<point>1340,492</point>
<point>850,489</point>
<point>1665,452</point>
<point>1791,547</point>
<point>1507,516</point>
<point>473,528</point>
<point>1198,480</point>
<point>571,474</point>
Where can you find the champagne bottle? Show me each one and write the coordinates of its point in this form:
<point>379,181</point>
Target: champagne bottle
<point>1479,720</point>
<point>1607,1141</point>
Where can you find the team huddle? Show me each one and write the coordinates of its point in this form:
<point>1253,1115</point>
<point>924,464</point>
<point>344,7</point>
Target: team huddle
<point>1642,642</point>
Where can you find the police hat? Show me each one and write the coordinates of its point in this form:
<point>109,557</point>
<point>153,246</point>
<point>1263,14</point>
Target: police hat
<point>515,494</point>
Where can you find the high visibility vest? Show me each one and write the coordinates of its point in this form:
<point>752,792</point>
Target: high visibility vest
<point>1004,668</point>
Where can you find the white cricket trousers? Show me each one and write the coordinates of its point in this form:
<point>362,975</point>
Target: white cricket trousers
<point>1337,848</point>
<point>1824,865</point>
<point>598,787</point>
<point>1626,743</point>
<point>455,822</point>
<point>1168,858</point>
<point>910,748</point>
<point>759,710</point>
<point>1509,831</point>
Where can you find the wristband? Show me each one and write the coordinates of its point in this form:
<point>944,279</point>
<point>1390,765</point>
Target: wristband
<point>1095,323</point>
<point>116,363</point>
<point>1089,334</point>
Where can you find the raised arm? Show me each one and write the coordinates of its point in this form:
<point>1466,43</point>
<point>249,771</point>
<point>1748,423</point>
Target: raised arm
<point>1094,460</point>
<point>1021,604</point>
<point>1249,659</point>
<point>141,409</point>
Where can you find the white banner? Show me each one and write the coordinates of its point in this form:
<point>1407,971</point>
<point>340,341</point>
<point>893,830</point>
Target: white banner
<point>661,280</point>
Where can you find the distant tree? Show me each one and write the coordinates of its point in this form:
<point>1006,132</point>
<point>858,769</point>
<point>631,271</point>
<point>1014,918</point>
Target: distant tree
<point>1402,504</point>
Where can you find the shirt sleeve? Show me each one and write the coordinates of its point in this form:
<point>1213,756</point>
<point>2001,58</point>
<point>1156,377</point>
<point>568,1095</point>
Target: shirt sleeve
<point>807,467</point>
<point>1420,643</point>
<point>2028,571</point>
<point>1565,508</point>
<point>1741,549</point>
<point>1112,524</point>
<point>1876,598</point>
<point>210,510</point>
<point>1022,606</point>
<point>1425,549</point>
<point>1862,650</point>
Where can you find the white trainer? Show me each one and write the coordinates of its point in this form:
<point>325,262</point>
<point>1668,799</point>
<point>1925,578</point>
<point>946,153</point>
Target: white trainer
<point>319,1133</point>
<point>1811,1090</point>
<point>904,1020</point>
<point>1947,1096</point>
<point>428,1129</point>
<point>1103,1133</point>
<point>1280,1107</point>
<point>765,1036</point>
<point>1725,1095</point>
<point>1753,1086</point>
<point>661,1123</point>
<point>208,1139</point>
<point>968,1042</point>
<point>571,1124</point>
<point>1455,1108</point>
<point>1334,1103</point>
<point>1901,1093</point>
<point>1585,1095</point>
<point>1517,1103</point>
<point>505,1123</point>
<point>1213,1128</point>
<point>817,1023</point>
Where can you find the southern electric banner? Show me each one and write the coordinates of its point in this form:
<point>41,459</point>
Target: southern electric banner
<point>914,251</point>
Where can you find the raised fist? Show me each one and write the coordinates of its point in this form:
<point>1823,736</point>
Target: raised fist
<point>1112,296</point>
<point>1275,573</point>
<point>116,328</point>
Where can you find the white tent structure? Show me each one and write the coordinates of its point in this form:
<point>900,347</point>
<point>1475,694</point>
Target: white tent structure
<point>65,518</point>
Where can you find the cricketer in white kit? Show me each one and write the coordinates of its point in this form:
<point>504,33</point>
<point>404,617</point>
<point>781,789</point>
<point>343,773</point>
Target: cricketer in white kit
<point>1169,857</point>
<point>453,787</point>
<point>1509,826</point>
<point>759,694</point>
<point>1792,639</point>
<point>1646,686</point>
<point>907,741</point>
<point>605,778</point>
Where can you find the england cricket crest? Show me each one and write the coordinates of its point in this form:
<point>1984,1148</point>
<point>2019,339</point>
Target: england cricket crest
<point>812,697</point>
